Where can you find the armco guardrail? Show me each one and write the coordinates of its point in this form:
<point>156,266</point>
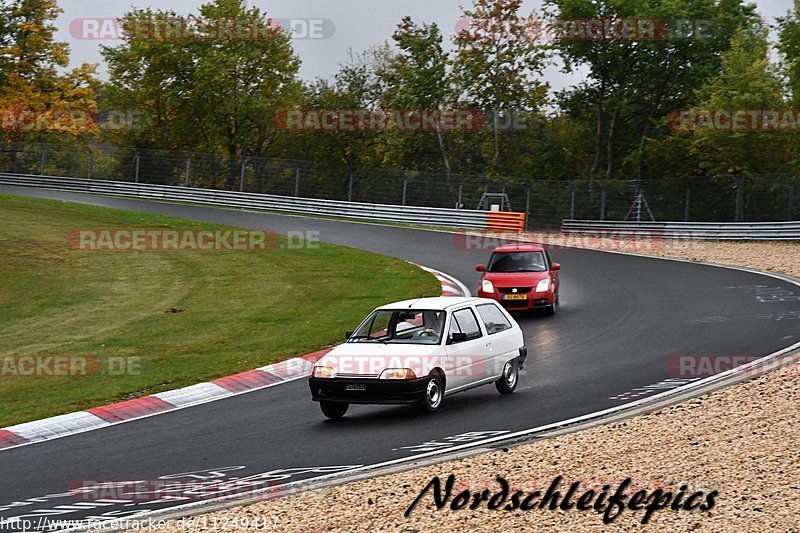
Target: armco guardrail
<point>785,231</point>
<point>505,221</point>
<point>426,216</point>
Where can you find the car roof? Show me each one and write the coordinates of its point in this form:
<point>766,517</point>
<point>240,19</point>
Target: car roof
<point>440,303</point>
<point>519,248</point>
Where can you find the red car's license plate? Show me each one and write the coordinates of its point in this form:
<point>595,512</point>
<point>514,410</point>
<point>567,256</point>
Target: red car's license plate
<point>515,297</point>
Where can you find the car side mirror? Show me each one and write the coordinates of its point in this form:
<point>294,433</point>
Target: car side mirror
<point>480,268</point>
<point>348,334</point>
<point>555,266</point>
<point>455,338</point>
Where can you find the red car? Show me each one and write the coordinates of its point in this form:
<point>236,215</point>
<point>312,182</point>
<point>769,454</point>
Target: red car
<point>520,277</point>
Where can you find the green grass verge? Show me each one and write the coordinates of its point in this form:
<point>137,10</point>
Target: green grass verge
<point>242,309</point>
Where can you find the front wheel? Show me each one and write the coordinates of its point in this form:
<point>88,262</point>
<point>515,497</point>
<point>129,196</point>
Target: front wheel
<point>334,410</point>
<point>508,381</point>
<point>553,309</point>
<point>434,393</point>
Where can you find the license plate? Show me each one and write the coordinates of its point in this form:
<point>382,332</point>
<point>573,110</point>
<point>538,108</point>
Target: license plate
<point>515,297</point>
<point>355,387</point>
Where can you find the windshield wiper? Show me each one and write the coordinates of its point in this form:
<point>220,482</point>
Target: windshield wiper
<point>356,337</point>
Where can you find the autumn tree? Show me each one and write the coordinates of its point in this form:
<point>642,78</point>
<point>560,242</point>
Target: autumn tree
<point>38,100</point>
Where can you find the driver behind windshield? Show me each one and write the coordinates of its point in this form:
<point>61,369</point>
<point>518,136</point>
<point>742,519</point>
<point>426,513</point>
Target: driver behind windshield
<point>432,324</point>
<point>401,327</point>
<point>518,262</point>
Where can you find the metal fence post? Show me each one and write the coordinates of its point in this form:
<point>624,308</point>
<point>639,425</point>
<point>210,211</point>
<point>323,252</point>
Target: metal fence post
<point>603,204</point>
<point>41,159</point>
<point>460,192</point>
<point>297,182</point>
<point>527,205</point>
<point>688,205</point>
<point>90,163</point>
<point>572,201</point>
<point>188,167</point>
<point>738,216</point>
<point>136,169</point>
<point>350,188</point>
<point>405,186</point>
<point>241,175</point>
<point>791,202</point>
<point>602,199</point>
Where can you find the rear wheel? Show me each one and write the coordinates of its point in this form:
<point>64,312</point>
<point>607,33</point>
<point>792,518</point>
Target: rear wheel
<point>334,410</point>
<point>434,394</point>
<point>508,381</point>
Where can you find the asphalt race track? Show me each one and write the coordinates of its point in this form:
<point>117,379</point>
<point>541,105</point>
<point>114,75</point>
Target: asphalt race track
<point>621,319</point>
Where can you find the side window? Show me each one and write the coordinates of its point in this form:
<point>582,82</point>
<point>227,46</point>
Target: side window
<point>549,261</point>
<point>465,322</point>
<point>454,327</point>
<point>493,318</point>
<point>380,325</point>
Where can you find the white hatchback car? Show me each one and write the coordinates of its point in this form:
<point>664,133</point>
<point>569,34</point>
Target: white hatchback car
<point>419,351</point>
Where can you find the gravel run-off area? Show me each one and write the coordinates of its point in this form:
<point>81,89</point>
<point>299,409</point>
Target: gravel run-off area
<point>742,442</point>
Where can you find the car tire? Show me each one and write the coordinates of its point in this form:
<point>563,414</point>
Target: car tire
<point>334,410</point>
<point>509,379</point>
<point>553,309</point>
<point>434,395</point>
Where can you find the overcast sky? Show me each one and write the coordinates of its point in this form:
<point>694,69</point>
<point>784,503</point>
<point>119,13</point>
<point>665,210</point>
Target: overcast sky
<point>359,24</point>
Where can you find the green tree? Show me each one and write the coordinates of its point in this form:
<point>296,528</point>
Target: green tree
<point>203,89</point>
<point>498,69</point>
<point>633,83</point>
<point>417,78</point>
<point>789,46</point>
<point>6,32</point>
<point>748,81</point>
<point>357,85</point>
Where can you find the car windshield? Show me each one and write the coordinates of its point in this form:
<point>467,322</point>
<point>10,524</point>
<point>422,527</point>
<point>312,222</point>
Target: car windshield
<point>517,262</point>
<point>401,327</point>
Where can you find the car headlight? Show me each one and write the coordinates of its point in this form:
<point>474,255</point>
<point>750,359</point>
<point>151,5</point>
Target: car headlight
<point>543,285</point>
<point>398,373</point>
<point>323,372</point>
<point>486,286</point>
